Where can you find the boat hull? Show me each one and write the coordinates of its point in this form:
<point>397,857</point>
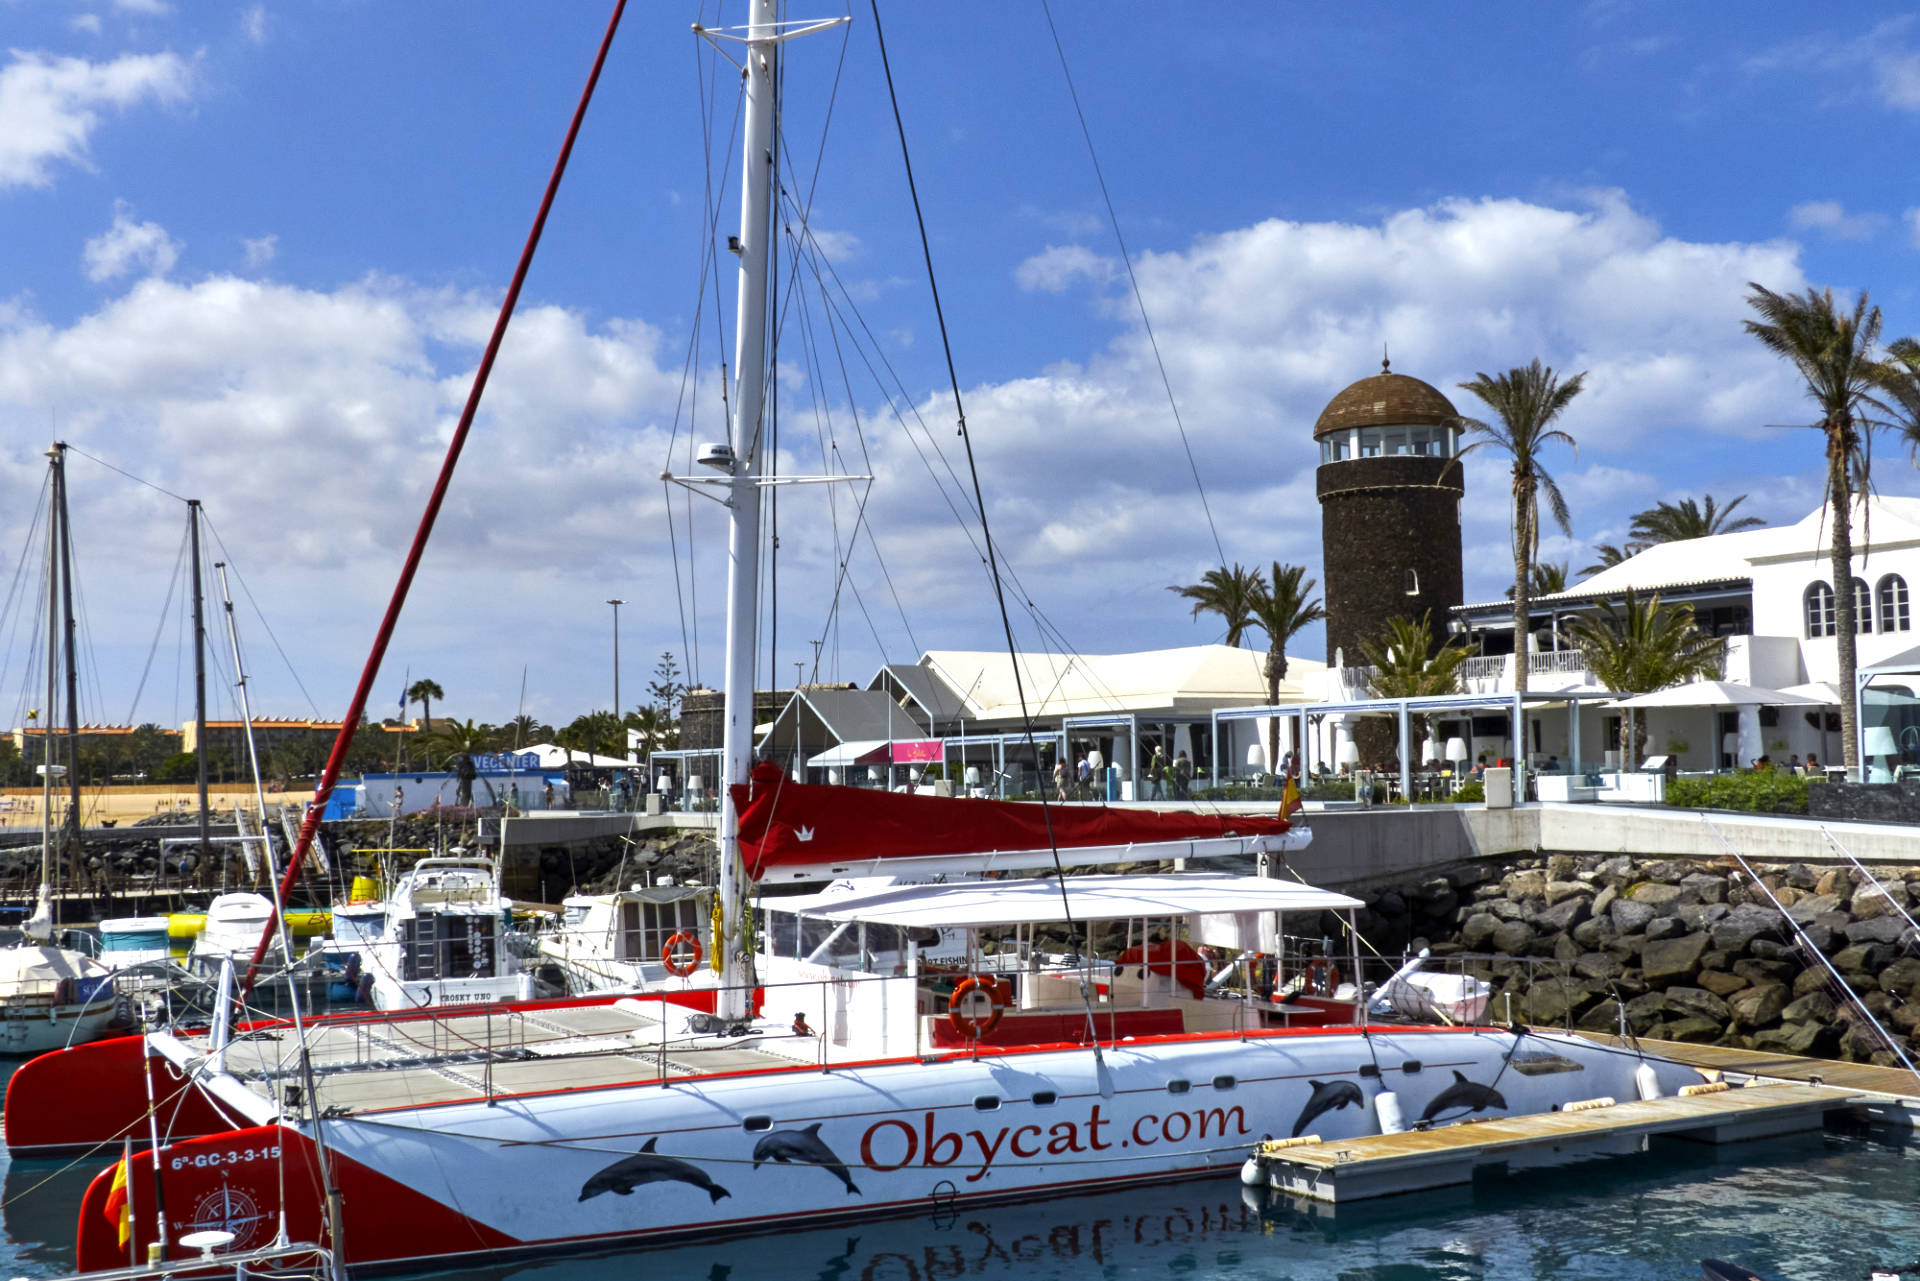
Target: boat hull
<point>697,1157</point>
<point>37,1029</point>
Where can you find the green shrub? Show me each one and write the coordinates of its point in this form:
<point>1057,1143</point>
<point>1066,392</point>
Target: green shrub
<point>1757,792</point>
<point>1331,790</point>
<point>1471,791</point>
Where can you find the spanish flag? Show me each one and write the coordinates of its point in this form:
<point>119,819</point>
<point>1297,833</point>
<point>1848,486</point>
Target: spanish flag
<point>1290,798</point>
<point>116,1208</point>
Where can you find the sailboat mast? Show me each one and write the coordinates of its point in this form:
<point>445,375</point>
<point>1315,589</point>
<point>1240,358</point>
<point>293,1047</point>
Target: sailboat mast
<point>72,824</point>
<point>204,866</point>
<point>743,540</point>
<point>46,707</point>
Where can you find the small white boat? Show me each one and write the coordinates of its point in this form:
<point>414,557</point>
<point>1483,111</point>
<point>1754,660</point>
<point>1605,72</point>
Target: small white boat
<point>632,940</point>
<point>51,998</point>
<point>129,941</point>
<point>442,938</point>
<point>234,925</point>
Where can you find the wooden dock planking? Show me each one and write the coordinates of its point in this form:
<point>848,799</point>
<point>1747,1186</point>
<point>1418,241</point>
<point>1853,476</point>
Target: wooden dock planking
<point>1385,1164</point>
<point>1899,1103</point>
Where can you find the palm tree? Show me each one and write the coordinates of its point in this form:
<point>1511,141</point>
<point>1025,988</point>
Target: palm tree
<point>522,730</point>
<point>452,739</point>
<point>1832,350</point>
<point>1640,646</point>
<point>423,692</point>
<point>1281,612</point>
<point>1610,556</point>
<point>1229,593</point>
<point>1677,522</point>
<point>1902,384</point>
<point>1548,580</point>
<point>1526,401</point>
<point>1406,664</point>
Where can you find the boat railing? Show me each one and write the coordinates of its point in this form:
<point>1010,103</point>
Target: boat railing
<point>288,1260</point>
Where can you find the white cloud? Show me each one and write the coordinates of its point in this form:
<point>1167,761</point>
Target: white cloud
<point>838,246</point>
<point>1913,225</point>
<point>147,8</point>
<point>86,22</point>
<point>50,106</point>
<point>128,245</point>
<point>253,23</point>
<point>1061,266</point>
<point>311,421</point>
<point>1830,219</point>
<point>260,250</point>
<point>1885,55</point>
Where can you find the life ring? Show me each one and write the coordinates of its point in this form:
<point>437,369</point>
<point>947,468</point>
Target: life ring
<point>677,962</point>
<point>976,1006</point>
<point>1323,977</point>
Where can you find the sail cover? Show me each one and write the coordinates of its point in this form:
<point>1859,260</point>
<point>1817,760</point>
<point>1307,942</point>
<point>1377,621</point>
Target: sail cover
<point>792,831</point>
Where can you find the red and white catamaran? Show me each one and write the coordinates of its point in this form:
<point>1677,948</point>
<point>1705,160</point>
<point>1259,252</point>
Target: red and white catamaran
<point>814,1083</point>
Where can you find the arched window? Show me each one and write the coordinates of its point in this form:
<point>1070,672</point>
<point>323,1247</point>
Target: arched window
<point>1893,604</point>
<point>1819,606</point>
<point>1862,607</point>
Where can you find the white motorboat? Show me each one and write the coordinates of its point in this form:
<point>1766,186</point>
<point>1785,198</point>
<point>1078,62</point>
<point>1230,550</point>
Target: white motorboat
<point>441,938</point>
<point>632,940</point>
<point>234,925</point>
<point>130,941</point>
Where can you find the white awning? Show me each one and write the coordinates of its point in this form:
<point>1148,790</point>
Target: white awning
<point>858,752</point>
<point>1714,694</point>
<point>1036,901</point>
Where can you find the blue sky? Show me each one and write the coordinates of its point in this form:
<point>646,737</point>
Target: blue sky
<point>255,250</point>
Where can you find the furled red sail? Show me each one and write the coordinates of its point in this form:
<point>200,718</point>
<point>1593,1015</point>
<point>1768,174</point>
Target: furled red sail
<point>786,825</point>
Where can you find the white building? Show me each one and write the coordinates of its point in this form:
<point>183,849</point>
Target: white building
<point>1768,593</point>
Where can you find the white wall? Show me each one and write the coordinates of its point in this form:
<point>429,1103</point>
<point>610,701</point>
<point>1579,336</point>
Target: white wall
<point>1779,588</point>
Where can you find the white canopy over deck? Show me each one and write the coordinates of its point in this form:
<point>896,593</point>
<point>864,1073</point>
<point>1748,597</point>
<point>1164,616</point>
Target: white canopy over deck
<point>1037,901</point>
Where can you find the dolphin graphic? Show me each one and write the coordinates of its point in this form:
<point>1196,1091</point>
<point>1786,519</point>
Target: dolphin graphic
<point>805,1147</point>
<point>648,1166</point>
<point>1464,1094</point>
<point>1328,1096</point>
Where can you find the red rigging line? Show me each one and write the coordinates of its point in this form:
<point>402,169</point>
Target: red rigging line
<point>341,743</point>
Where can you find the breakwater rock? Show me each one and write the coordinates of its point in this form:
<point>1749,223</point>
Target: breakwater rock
<point>1677,949</point>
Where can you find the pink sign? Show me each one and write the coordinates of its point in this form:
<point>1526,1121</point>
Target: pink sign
<point>923,752</point>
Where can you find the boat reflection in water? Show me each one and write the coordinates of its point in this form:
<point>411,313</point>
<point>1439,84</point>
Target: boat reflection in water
<point>1066,1236</point>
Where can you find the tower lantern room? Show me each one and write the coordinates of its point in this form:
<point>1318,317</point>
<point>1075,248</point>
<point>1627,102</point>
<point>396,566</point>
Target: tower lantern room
<point>1390,487</point>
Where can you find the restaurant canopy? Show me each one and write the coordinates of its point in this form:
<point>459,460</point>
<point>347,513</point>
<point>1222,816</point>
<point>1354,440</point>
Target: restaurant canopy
<point>1714,694</point>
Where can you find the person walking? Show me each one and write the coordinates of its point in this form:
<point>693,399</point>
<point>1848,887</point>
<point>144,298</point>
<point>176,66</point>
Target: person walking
<point>1156,776</point>
<point>1060,780</point>
<point>1182,777</point>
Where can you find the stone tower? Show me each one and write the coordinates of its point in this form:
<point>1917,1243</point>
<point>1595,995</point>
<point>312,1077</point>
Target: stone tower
<point>1390,486</point>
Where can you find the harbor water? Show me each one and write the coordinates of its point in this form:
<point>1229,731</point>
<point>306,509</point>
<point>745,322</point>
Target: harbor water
<point>1807,1208</point>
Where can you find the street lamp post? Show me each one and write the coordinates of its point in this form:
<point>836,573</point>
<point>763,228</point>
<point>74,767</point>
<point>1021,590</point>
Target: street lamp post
<point>616,658</point>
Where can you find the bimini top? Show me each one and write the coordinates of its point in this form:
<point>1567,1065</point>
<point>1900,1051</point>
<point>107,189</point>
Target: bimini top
<point>1037,900</point>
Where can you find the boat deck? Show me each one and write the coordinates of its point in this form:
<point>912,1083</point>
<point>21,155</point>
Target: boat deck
<point>402,1061</point>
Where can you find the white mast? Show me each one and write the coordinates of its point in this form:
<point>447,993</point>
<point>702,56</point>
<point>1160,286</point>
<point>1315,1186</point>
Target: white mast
<point>743,535</point>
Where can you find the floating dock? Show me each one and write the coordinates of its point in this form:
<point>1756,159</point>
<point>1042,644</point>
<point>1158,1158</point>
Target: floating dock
<point>1888,1096</point>
<point>1418,1160</point>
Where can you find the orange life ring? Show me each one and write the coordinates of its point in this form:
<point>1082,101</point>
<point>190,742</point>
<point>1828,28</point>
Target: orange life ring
<point>976,1006</point>
<point>681,963</point>
<point>1323,977</point>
